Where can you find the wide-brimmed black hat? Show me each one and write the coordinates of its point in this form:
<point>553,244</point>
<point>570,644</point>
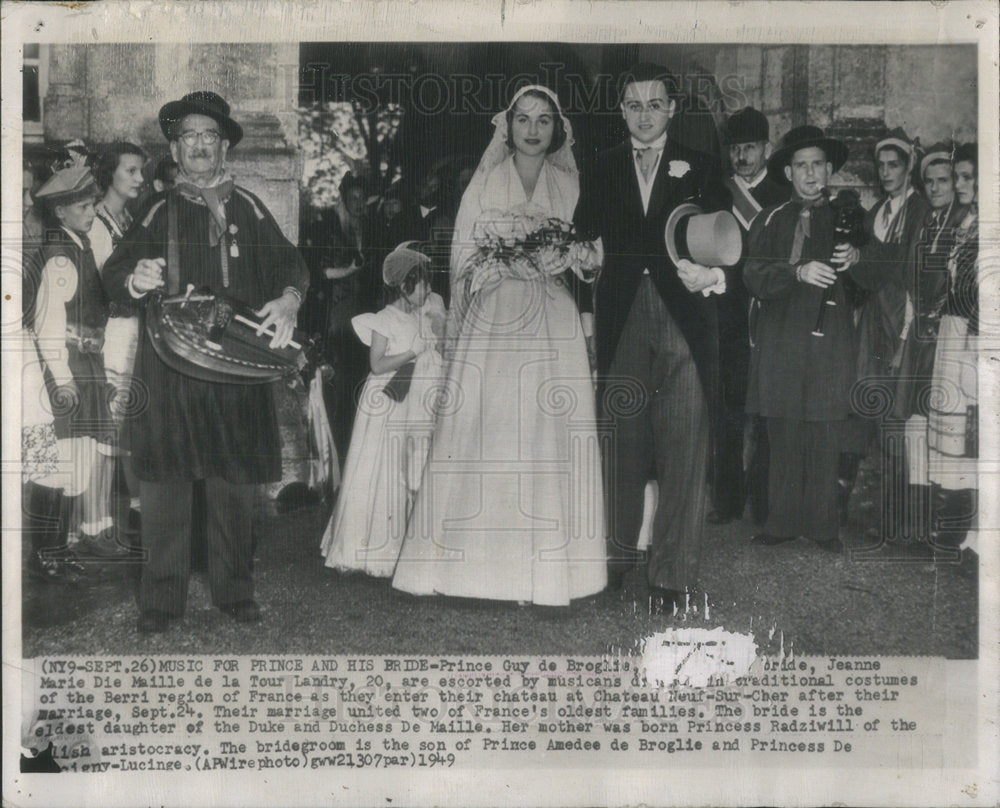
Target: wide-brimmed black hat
<point>747,126</point>
<point>805,137</point>
<point>201,102</point>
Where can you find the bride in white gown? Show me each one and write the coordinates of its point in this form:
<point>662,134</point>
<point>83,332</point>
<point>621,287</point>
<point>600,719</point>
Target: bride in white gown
<point>511,506</point>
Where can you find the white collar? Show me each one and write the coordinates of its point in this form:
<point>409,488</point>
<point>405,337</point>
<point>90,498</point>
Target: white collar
<point>427,211</point>
<point>73,236</point>
<point>657,144</point>
<point>896,202</point>
<point>754,182</point>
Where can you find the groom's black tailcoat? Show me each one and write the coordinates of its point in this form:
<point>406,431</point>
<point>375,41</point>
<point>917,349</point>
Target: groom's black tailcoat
<point>611,208</point>
<point>657,356</point>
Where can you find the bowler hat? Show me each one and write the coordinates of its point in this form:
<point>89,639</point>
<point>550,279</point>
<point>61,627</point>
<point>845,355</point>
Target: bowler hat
<point>400,261</point>
<point>747,126</point>
<point>709,239</point>
<point>805,137</point>
<point>201,102</point>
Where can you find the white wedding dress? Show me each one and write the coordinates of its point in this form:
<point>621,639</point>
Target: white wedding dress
<point>511,506</point>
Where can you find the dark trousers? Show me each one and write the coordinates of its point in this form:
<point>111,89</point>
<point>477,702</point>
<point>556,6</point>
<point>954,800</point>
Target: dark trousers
<point>664,429</point>
<point>728,484</point>
<point>758,469</point>
<point>802,487</point>
<point>166,537</point>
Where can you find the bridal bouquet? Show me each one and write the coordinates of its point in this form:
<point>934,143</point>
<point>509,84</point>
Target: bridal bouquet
<point>525,243</point>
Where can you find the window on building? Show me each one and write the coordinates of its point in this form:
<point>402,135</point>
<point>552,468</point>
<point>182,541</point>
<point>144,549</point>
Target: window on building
<point>35,70</point>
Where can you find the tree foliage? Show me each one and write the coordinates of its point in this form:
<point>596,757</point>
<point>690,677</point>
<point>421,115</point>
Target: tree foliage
<point>334,137</point>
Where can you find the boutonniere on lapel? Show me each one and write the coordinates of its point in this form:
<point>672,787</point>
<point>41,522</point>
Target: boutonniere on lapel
<point>678,168</point>
<point>234,248</point>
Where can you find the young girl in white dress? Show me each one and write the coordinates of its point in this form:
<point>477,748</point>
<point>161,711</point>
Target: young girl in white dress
<point>391,437</point>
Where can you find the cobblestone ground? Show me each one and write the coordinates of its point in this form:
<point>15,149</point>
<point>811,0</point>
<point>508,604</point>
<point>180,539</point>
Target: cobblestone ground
<point>795,597</point>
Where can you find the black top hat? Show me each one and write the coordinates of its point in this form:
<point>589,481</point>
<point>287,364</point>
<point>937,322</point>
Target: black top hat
<point>201,102</point>
<point>747,126</point>
<point>805,137</point>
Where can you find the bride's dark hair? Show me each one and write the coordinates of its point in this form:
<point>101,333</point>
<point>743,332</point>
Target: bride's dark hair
<point>558,131</point>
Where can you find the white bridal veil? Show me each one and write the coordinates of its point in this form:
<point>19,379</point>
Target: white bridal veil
<point>488,191</point>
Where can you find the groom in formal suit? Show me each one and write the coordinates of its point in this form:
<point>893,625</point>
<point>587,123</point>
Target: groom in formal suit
<point>656,336</point>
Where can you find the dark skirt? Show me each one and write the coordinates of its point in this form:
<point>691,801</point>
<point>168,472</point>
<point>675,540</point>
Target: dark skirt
<point>89,415</point>
<point>916,372</point>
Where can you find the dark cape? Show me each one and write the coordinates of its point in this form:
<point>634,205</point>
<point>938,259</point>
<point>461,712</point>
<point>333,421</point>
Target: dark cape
<point>793,374</point>
<point>185,428</point>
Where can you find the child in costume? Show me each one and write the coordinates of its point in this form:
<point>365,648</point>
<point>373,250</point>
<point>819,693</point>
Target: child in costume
<point>394,422</point>
<point>69,317</point>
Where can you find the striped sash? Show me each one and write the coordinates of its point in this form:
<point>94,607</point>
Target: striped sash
<point>745,207</point>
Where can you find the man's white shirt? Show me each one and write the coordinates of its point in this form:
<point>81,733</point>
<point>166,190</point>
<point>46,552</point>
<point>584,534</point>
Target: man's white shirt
<point>646,190</point>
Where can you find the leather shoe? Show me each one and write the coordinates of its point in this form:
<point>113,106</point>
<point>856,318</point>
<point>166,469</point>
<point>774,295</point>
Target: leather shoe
<point>770,541</point>
<point>153,621</point>
<point>50,570</point>
<point>243,611</point>
<point>619,569</point>
<point>663,601</point>
<point>102,546</point>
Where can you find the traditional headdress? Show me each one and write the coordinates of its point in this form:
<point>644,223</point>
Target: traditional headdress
<point>898,139</point>
<point>939,152</point>
<point>68,186</point>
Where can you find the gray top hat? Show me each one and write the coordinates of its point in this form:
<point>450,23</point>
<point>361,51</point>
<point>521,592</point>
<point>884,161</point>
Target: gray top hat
<point>709,239</point>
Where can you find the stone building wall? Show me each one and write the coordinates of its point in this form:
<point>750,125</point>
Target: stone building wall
<point>103,93</point>
<point>106,92</point>
<point>855,92</point>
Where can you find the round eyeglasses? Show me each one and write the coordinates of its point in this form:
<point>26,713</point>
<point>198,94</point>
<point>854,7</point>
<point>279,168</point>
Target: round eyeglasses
<point>209,138</point>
